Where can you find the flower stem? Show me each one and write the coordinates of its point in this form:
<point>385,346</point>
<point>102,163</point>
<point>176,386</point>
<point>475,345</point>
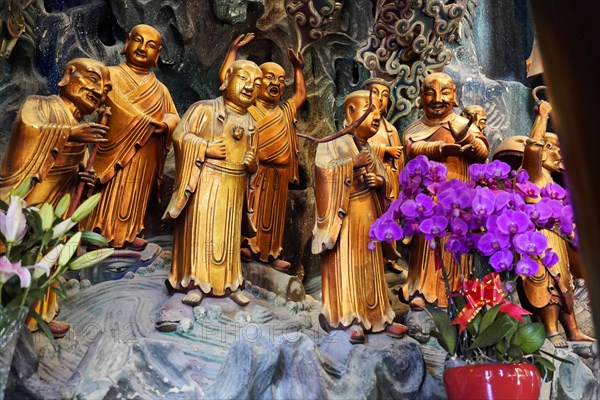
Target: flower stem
<point>452,311</point>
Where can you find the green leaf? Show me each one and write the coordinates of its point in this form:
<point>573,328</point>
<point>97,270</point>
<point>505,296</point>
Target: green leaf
<point>35,221</point>
<point>493,334</point>
<point>514,352</point>
<point>474,326</point>
<point>529,337</point>
<point>59,292</point>
<point>93,238</point>
<point>447,332</point>
<point>489,317</point>
<point>556,357</point>
<point>545,367</point>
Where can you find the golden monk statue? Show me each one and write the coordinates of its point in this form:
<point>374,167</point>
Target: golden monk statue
<point>386,145</point>
<point>350,187</point>
<point>215,152</point>
<point>477,115</point>
<point>550,291</point>
<point>444,136</point>
<point>143,117</point>
<point>48,143</point>
<point>275,124</point>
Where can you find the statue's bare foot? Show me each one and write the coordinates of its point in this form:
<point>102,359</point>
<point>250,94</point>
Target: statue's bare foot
<point>239,298</point>
<point>193,298</point>
<point>578,336</point>
<point>557,340</point>
<point>356,334</point>
<point>281,265</point>
<point>417,303</point>
<point>396,330</point>
<point>58,328</point>
<point>171,312</point>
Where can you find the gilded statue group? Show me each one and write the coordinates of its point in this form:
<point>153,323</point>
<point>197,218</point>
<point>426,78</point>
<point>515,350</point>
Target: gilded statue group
<point>235,156</point>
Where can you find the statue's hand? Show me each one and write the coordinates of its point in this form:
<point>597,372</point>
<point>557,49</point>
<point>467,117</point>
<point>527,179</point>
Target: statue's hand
<point>451,149</point>
<point>216,149</point>
<point>372,180</point>
<point>296,58</point>
<point>362,159</point>
<point>242,40</point>
<point>394,151</point>
<point>544,108</point>
<point>467,148</point>
<point>87,177</point>
<point>89,132</point>
<point>159,127</point>
<point>250,162</point>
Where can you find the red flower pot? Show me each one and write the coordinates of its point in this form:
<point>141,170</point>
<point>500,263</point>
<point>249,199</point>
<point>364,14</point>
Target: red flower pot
<point>492,382</point>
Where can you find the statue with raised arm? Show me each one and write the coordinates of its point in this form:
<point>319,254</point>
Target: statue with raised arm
<point>275,124</point>
<point>48,144</point>
<point>215,153</point>
<point>477,115</point>
<point>441,135</point>
<point>550,290</point>
<point>351,188</point>
<point>129,165</point>
<point>386,145</point>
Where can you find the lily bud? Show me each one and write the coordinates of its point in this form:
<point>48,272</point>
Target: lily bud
<point>47,215</point>
<point>22,190</point>
<point>47,262</point>
<point>91,258</point>
<point>86,208</point>
<point>70,249</point>
<point>61,229</point>
<point>62,206</point>
<point>93,238</point>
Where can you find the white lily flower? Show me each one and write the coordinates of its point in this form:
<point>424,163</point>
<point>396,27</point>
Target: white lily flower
<point>8,269</point>
<point>13,224</point>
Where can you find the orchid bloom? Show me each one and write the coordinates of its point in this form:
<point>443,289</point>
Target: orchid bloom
<point>12,224</point>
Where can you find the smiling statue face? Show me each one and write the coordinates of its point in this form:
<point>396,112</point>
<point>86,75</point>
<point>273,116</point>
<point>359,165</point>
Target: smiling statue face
<point>356,105</point>
<point>438,95</point>
<point>142,47</point>
<point>86,83</point>
<point>242,83</point>
<point>273,82</point>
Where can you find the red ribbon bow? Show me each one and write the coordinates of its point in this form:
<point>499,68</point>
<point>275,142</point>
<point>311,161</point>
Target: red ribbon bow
<point>487,292</point>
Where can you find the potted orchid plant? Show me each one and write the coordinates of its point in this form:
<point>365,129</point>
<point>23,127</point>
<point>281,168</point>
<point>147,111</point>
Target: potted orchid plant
<point>498,216</point>
<point>37,247</point>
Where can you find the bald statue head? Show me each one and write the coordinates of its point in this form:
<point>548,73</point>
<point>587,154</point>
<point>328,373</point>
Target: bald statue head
<point>356,104</point>
<point>438,96</point>
<point>85,84</point>
<point>142,47</point>
<point>242,83</point>
<point>273,82</point>
<point>476,114</point>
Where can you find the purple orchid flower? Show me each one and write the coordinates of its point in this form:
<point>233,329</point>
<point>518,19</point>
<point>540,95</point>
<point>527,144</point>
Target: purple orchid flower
<point>502,260</point>
<point>483,201</point>
<point>434,227</point>
<point>529,189</point>
<point>553,191</point>
<point>526,266</point>
<point>566,220</point>
<point>477,172</point>
<point>387,231</point>
<point>530,243</point>
<point>421,206</point>
<point>497,170</point>
<point>512,222</point>
<point>550,258</point>
<point>490,243</point>
<point>522,176</point>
